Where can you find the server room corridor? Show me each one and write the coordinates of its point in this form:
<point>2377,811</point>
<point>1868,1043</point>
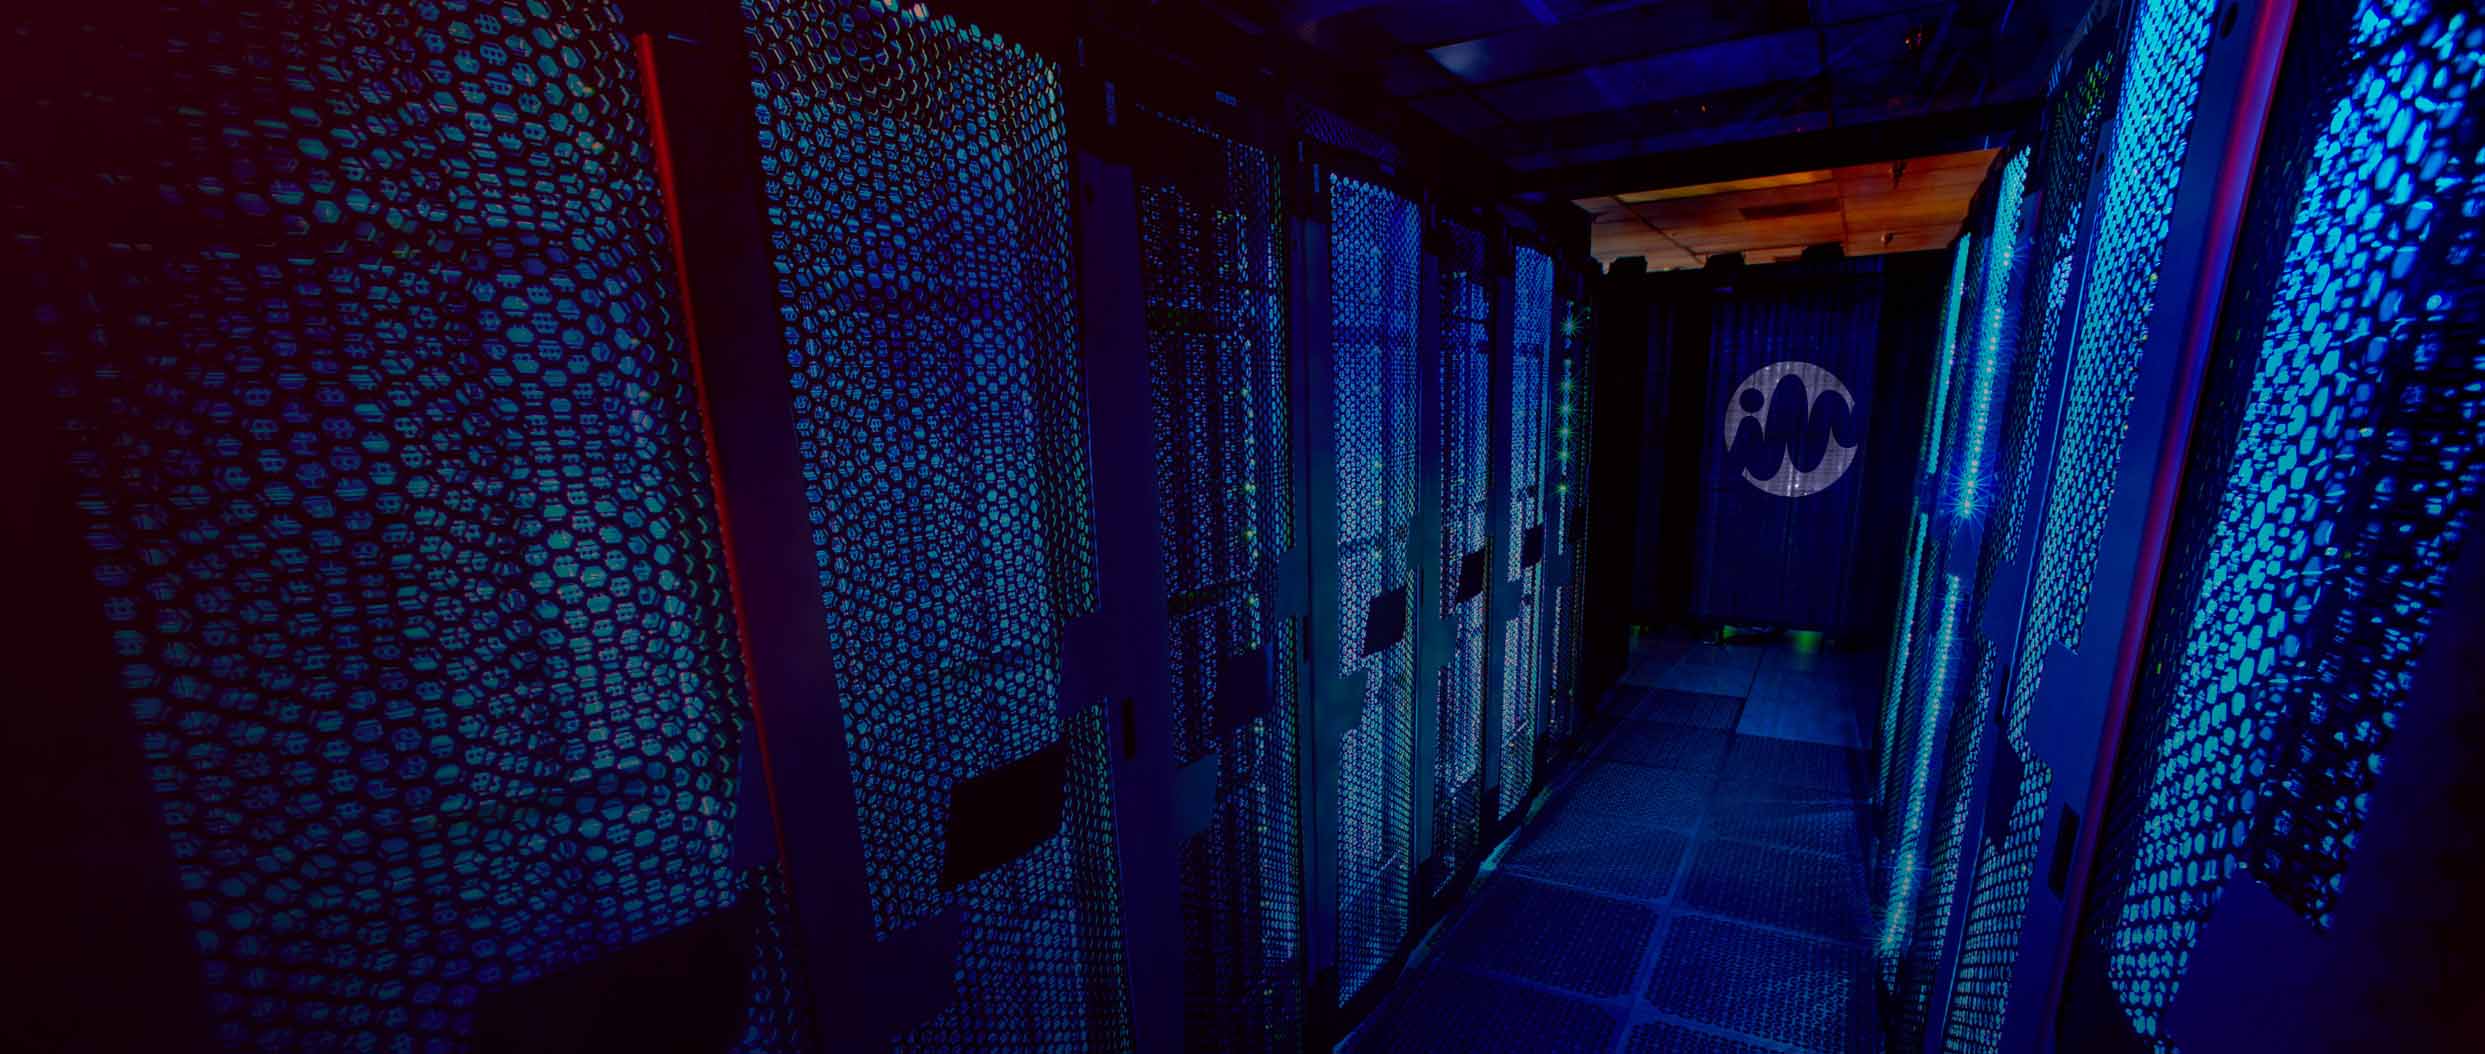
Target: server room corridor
<point>1242,526</point>
<point>1695,883</point>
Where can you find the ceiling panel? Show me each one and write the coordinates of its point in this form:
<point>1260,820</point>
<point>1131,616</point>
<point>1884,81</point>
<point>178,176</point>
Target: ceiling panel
<point>1547,98</point>
<point>1594,95</point>
<point>1833,12</point>
<point>1613,35</point>
<point>1901,206</point>
<point>1460,113</point>
<point>1740,63</point>
<point>1426,23</point>
<point>1736,186</point>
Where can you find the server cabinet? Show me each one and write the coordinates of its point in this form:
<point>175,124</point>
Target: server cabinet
<point>1358,268</point>
<point>2060,171</point>
<point>2284,818</point>
<point>1573,693</point>
<point>1516,637</point>
<point>2160,196</point>
<point>916,188</point>
<point>1461,471</point>
<point>385,453</point>
<point>1219,391</point>
<point>1944,669</point>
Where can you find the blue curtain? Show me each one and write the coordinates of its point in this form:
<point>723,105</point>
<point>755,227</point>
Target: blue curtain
<point>1786,439</point>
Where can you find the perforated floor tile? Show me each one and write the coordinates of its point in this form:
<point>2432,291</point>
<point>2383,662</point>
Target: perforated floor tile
<point>1571,940</point>
<point>1609,854</point>
<point>1667,746</point>
<point>1796,817</point>
<point>1778,887</point>
<point>1772,986</point>
<point>1664,797</point>
<point>1815,765</point>
<point>1801,706</point>
<point>1707,677</point>
<point>1853,667</point>
<point>1665,1037</point>
<point>1696,709</point>
<point>1451,1011</point>
<point>1746,659</point>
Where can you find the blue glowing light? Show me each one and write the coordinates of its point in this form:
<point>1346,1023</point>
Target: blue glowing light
<point>1936,420</point>
<point>2356,456</point>
<point>1968,496</point>
<point>1899,913</point>
<point>1894,693</point>
<point>1373,260</point>
<point>2143,161</point>
<point>1523,651</point>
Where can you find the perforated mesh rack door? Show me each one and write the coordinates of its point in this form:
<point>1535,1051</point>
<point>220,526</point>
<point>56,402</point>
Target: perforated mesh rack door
<point>916,173</point>
<point>1924,821</point>
<point>389,462</point>
<point>2142,161</point>
<point>2074,123</point>
<point>1212,267</point>
<point>1899,730</point>
<point>1933,669</point>
<point>2329,488</point>
<point>1522,657</point>
<point>1466,474</point>
<point>1920,969</point>
<point>777,1016</point>
<point>2062,165</point>
<point>1373,258</point>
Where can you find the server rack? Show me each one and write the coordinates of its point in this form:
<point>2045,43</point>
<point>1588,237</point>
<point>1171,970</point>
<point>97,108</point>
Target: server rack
<point>1944,671</point>
<point>2319,610</point>
<point>1454,659</point>
<point>916,182</point>
<point>1573,436</point>
<point>2146,142</point>
<point>2160,195</point>
<point>1085,610</point>
<point>1517,634</point>
<point>1358,266</point>
<point>1220,389</point>
<point>378,421</point>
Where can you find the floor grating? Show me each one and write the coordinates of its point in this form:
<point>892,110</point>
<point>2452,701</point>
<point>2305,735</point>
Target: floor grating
<point>1691,886</point>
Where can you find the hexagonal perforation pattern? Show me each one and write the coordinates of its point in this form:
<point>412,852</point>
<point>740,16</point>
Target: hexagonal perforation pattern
<point>1466,472</point>
<point>1373,262</point>
<point>1212,270</point>
<point>390,464</point>
<point>1523,673</point>
<point>2338,461</point>
<point>917,173</point>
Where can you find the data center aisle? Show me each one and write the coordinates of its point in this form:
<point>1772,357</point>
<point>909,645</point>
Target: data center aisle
<point>1697,885</point>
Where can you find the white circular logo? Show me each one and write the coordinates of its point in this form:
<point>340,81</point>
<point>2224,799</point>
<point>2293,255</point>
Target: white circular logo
<point>1791,429</point>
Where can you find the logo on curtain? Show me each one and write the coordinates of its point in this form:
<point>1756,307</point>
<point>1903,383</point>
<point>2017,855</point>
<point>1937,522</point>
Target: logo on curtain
<point>1791,429</point>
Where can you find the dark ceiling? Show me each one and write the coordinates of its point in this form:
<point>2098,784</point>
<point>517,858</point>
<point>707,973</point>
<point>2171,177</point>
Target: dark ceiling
<point>1601,97</point>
